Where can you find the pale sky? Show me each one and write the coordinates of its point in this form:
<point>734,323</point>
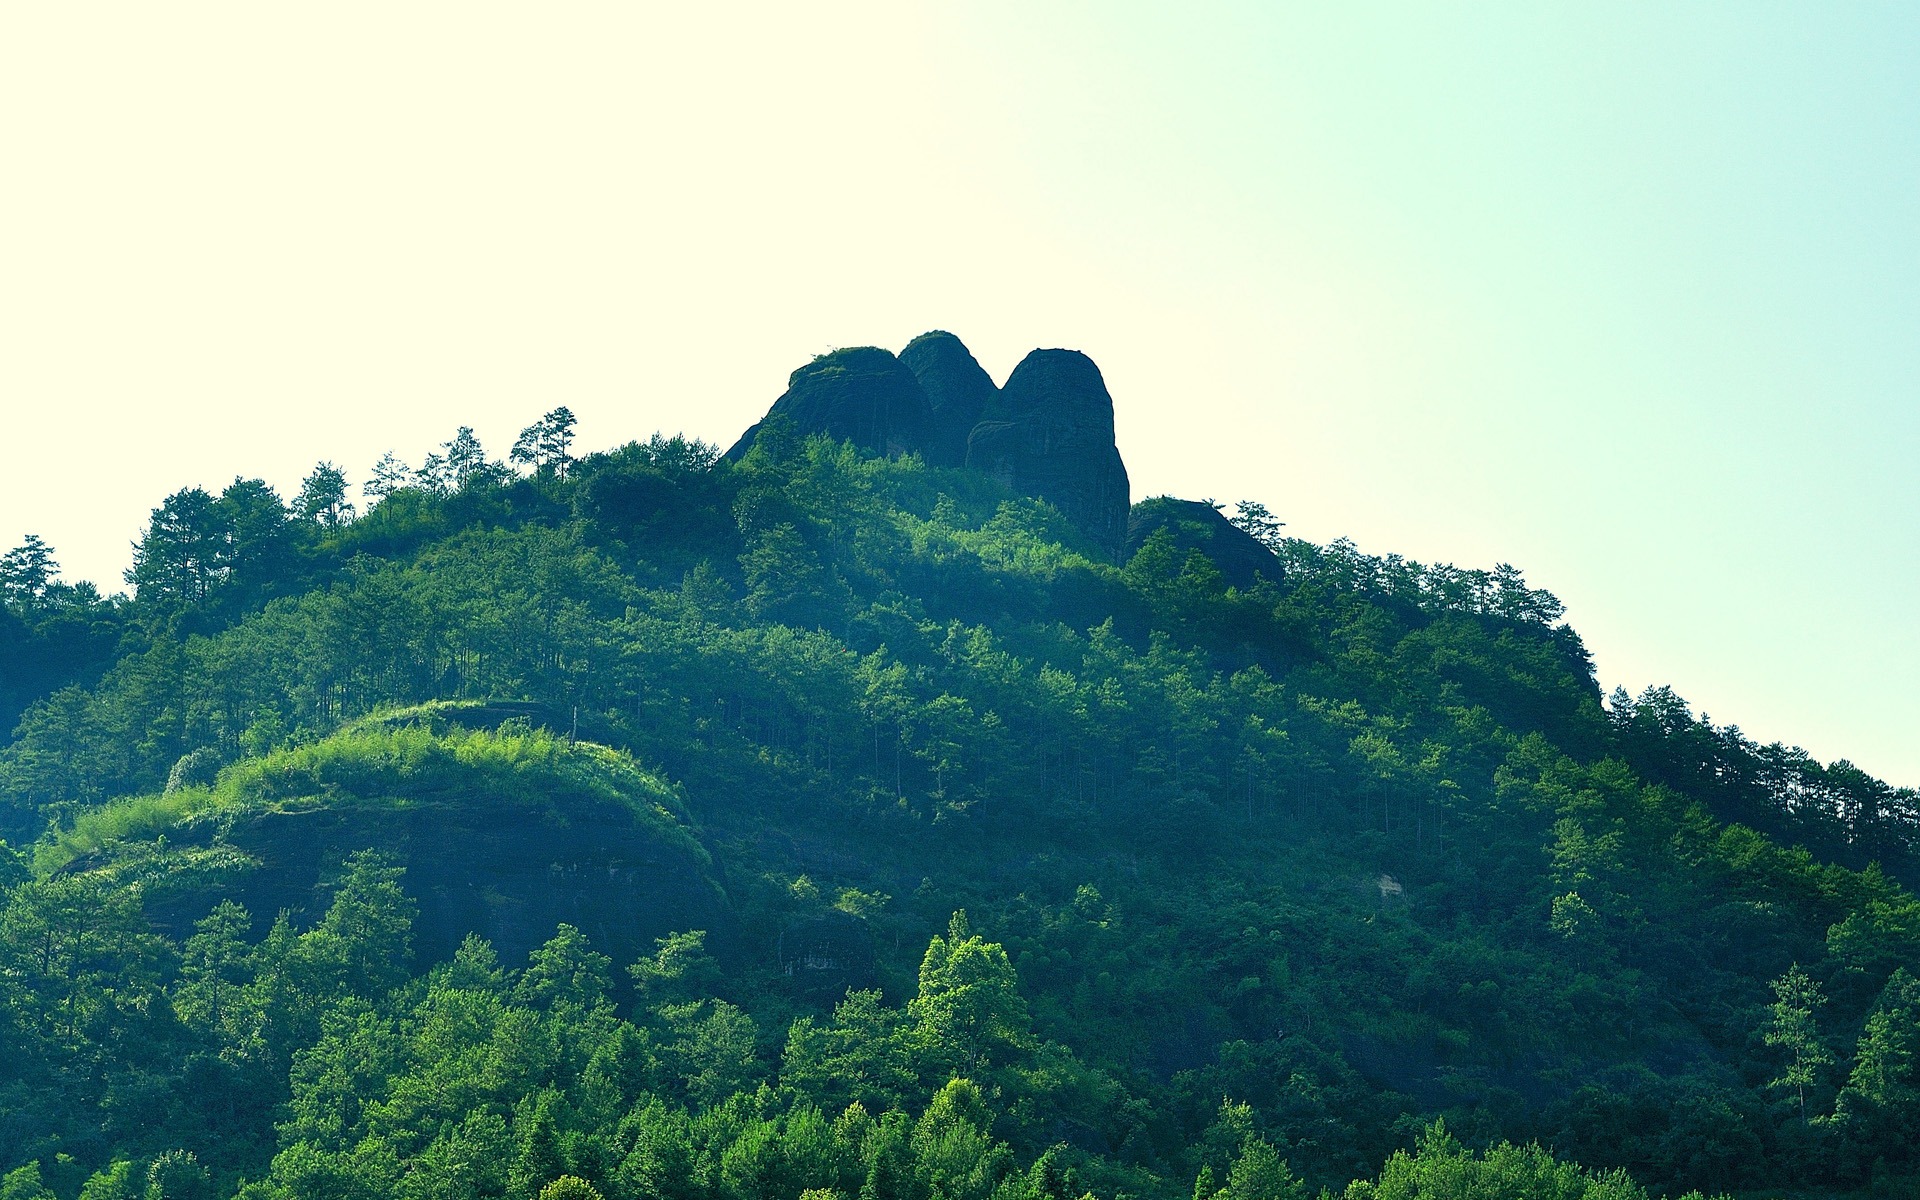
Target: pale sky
<point>1626,295</point>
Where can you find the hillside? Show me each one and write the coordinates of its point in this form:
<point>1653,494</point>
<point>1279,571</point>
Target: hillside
<point>887,808</point>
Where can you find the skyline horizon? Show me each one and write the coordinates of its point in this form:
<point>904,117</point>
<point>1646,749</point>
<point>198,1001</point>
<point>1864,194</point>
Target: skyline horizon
<point>1623,298</point>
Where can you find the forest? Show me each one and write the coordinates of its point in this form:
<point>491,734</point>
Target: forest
<point>814,822</point>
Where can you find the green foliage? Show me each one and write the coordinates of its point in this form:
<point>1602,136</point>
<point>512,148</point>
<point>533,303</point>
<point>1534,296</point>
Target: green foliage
<point>569,1187</point>
<point>1262,879</point>
<point>1877,1113</point>
<point>1443,1169</point>
<point>1794,1029</point>
<point>680,971</point>
<point>968,1009</point>
<point>114,1182</point>
<point>178,1175</point>
<point>24,1183</point>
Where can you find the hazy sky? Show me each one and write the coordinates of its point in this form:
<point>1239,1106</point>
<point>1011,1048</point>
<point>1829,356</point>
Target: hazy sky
<point>1626,295</point>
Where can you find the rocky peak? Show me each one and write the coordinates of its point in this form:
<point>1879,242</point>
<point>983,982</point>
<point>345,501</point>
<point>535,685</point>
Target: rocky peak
<point>1054,439</point>
<point>957,387</point>
<point>1048,433</point>
<point>862,394</point>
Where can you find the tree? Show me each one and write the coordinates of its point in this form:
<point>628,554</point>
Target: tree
<point>681,970</point>
<point>566,970</point>
<point>783,574</point>
<point>433,475</point>
<point>25,1183</point>
<point>1878,1110</point>
<point>538,1161</point>
<point>117,1181</point>
<point>545,445</point>
<point>968,1008</point>
<point>464,457</point>
<point>569,1187</point>
<point>1440,1168</point>
<point>450,468</point>
<point>1259,1173</point>
<point>77,958</point>
<point>195,543</point>
<point>25,573</point>
<point>1794,1028</point>
<point>389,475</point>
<point>1259,524</point>
<point>252,525</point>
<point>364,943</point>
<point>214,972</point>
<point>178,1175</point>
<point>323,496</point>
<point>860,1056</point>
<point>181,558</point>
<point>955,1154</point>
<point>712,1048</point>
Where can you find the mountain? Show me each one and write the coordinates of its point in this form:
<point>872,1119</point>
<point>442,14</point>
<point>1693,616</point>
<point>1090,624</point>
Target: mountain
<point>879,811</point>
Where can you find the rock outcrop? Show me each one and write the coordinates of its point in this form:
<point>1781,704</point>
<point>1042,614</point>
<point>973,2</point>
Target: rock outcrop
<point>864,395</point>
<point>492,844</point>
<point>1196,525</point>
<point>827,955</point>
<point>958,388</point>
<point>1048,433</point>
<point>1053,438</point>
<point>509,874</point>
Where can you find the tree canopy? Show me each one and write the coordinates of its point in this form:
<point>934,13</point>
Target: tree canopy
<point>981,865</point>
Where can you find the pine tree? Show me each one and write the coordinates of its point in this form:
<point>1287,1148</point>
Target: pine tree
<point>25,572</point>
<point>389,475</point>
<point>546,445</point>
<point>1793,1027</point>
<point>323,496</point>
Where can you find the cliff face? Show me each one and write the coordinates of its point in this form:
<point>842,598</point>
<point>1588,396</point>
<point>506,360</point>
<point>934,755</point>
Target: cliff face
<point>863,395</point>
<point>1196,525</point>
<point>510,876</point>
<point>1056,441</point>
<point>503,829</point>
<point>957,387</point>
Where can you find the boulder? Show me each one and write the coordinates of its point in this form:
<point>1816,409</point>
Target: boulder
<point>1197,525</point>
<point>864,395</point>
<point>1051,435</point>
<point>958,388</point>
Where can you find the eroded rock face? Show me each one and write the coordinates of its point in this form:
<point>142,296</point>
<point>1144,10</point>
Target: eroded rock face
<point>1051,435</point>
<point>511,874</point>
<point>1196,525</point>
<point>827,955</point>
<point>864,395</point>
<point>958,388</point>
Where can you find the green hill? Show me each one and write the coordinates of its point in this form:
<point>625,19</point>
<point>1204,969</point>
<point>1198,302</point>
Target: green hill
<point>822,819</point>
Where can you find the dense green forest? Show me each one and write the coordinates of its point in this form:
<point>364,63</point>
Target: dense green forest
<point>819,821</point>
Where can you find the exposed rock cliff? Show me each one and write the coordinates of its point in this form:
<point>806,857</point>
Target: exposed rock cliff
<point>508,873</point>
<point>1196,525</point>
<point>505,835</point>
<point>864,395</point>
<point>1054,440</point>
<point>957,387</point>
